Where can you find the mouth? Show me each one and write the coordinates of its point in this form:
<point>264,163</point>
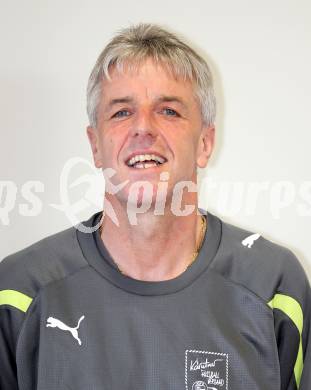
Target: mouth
<point>144,161</point>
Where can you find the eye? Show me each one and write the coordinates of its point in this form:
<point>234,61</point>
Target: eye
<point>121,114</point>
<point>170,112</point>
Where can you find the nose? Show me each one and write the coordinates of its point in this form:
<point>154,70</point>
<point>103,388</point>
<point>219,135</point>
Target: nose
<point>144,126</point>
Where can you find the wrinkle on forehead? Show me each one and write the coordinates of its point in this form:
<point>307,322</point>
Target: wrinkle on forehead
<point>141,68</point>
<point>134,66</point>
<point>124,89</point>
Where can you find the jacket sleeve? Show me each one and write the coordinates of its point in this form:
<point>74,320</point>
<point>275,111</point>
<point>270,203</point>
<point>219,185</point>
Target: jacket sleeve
<point>306,345</point>
<point>14,303</point>
<point>291,306</point>
<point>11,320</point>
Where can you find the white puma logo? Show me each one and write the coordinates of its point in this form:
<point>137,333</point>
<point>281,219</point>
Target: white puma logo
<point>249,241</point>
<point>55,323</point>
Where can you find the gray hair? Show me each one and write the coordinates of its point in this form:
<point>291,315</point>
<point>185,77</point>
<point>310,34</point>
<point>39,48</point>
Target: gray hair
<point>135,44</point>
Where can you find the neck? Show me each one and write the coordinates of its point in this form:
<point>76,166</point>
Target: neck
<point>158,247</point>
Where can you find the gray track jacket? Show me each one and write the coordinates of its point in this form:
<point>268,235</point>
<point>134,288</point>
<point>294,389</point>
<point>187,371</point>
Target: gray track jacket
<point>237,318</point>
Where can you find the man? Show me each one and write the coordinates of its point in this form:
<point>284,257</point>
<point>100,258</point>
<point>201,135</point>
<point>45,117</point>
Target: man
<point>163,295</point>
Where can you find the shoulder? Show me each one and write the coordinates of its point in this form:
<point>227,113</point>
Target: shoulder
<point>47,260</point>
<point>248,258</point>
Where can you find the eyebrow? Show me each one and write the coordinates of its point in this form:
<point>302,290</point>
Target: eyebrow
<point>166,98</point>
<point>125,99</point>
<point>159,99</point>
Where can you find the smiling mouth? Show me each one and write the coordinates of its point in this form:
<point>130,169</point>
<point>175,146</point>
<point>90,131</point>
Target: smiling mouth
<point>143,161</point>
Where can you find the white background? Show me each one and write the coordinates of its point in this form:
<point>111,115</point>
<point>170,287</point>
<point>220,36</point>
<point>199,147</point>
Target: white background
<point>259,53</point>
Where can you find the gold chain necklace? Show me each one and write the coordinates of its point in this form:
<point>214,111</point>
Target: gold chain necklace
<point>194,254</point>
<point>202,234</point>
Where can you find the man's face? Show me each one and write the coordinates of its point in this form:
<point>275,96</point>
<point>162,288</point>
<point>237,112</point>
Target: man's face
<point>149,112</point>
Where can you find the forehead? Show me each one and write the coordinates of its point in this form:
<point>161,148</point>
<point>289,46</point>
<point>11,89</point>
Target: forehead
<point>147,79</point>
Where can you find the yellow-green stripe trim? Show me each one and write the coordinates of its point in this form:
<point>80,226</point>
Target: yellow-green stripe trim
<point>293,310</point>
<point>16,299</point>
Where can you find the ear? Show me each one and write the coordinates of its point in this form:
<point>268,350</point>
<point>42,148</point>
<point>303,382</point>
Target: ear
<point>205,145</point>
<point>92,134</point>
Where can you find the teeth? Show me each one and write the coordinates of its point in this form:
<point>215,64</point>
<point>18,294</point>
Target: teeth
<point>145,157</point>
<point>140,165</point>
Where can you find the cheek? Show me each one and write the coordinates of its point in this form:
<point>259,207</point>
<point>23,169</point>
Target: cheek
<point>108,141</point>
<point>186,148</point>
<point>113,139</point>
<point>110,151</point>
<point>106,150</point>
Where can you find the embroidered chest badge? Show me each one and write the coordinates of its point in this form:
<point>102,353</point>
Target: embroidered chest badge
<point>206,370</point>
